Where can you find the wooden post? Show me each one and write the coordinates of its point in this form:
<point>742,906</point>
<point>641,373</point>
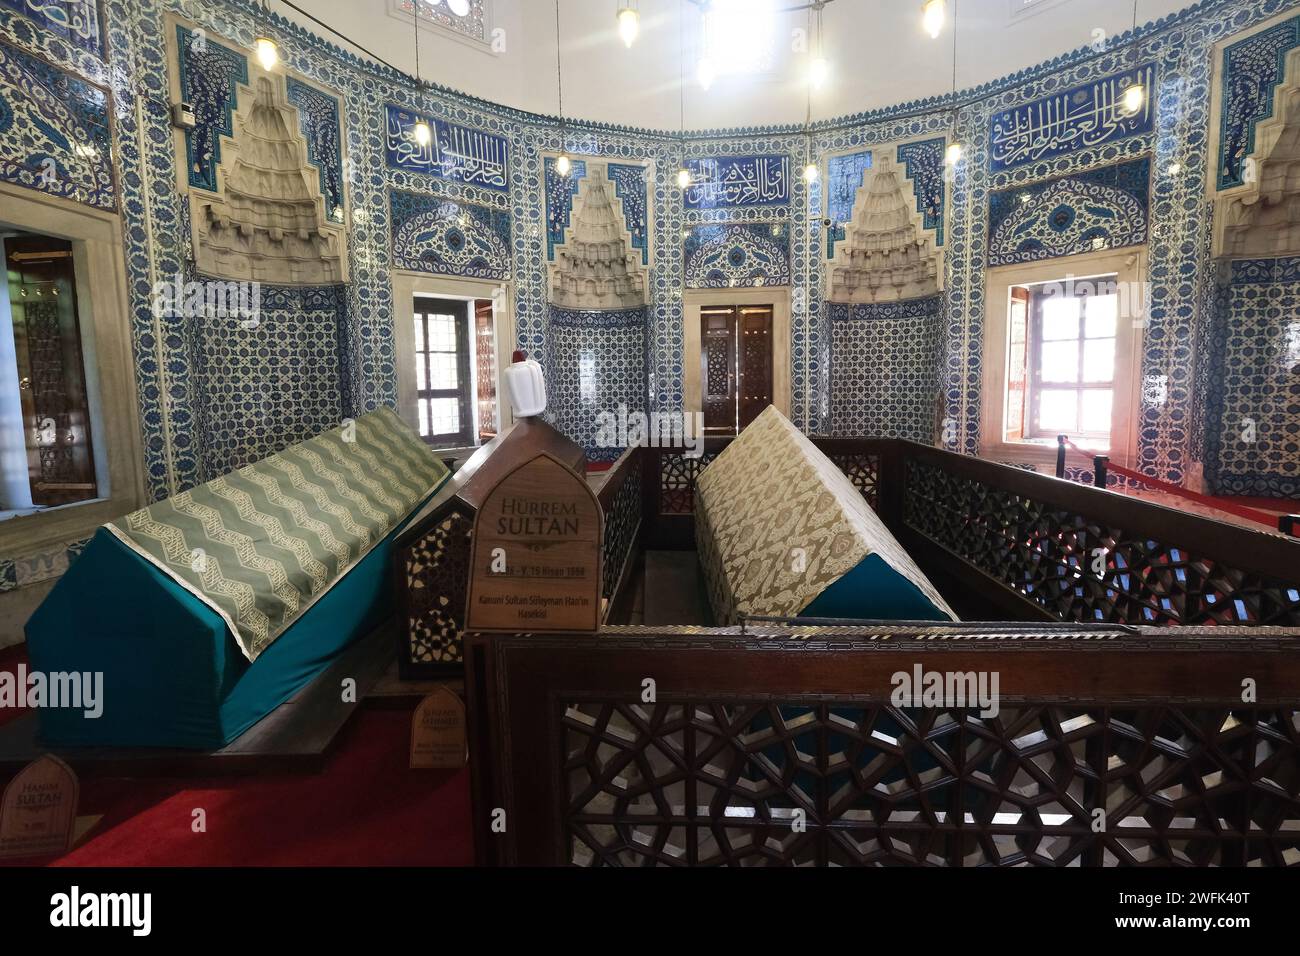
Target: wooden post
<point>1060,456</point>
<point>1099,465</point>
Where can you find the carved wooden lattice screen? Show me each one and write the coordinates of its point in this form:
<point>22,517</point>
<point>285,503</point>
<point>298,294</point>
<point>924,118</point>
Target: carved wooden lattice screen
<point>1087,563</point>
<point>1108,749</point>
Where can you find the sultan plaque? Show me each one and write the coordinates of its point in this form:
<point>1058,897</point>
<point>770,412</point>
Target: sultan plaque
<point>38,810</point>
<point>536,553</point>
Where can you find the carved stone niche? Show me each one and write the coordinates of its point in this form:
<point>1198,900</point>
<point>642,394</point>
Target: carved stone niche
<point>886,254</point>
<point>267,221</point>
<point>1261,218</point>
<point>596,268</point>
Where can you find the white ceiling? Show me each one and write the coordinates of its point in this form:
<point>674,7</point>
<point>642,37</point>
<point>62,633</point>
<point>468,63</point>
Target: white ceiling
<point>879,55</point>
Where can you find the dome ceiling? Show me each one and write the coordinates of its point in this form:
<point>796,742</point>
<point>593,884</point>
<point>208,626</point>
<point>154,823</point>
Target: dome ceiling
<point>879,54</point>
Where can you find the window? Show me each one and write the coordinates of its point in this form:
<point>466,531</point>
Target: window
<point>467,18</point>
<point>1062,356</point>
<point>1061,364</point>
<point>73,458</point>
<point>443,389</point>
<point>46,448</point>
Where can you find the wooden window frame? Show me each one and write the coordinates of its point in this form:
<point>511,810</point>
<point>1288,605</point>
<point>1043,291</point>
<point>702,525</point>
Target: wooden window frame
<point>1129,264</point>
<point>105,323</point>
<point>1034,380</point>
<point>464,393</point>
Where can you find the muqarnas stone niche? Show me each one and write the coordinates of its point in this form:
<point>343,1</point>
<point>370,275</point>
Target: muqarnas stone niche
<point>267,220</point>
<point>1261,217</point>
<point>596,267</point>
<point>887,254</point>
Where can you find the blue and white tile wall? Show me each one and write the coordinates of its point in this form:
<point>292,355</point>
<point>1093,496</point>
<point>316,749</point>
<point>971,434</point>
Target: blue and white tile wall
<point>884,370</point>
<point>1250,360</point>
<point>1253,401</point>
<point>270,381</point>
<point>120,48</point>
<point>596,363</point>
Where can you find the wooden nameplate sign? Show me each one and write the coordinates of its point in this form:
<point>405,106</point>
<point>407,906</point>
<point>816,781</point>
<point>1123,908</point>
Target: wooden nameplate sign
<point>38,810</point>
<point>536,557</point>
<point>438,731</point>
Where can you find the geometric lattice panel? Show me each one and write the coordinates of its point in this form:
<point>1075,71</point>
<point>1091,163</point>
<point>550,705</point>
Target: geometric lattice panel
<point>864,471</point>
<point>787,784</point>
<point>437,578</point>
<point>677,474</point>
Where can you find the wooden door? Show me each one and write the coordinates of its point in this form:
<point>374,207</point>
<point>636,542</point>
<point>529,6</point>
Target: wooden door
<point>51,373</point>
<point>735,365</point>
<point>718,371</point>
<point>755,362</point>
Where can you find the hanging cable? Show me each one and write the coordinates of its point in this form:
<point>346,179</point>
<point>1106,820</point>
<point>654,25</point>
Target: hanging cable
<point>562,164</point>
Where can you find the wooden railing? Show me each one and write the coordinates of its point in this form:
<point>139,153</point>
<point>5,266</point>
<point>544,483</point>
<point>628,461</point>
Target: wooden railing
<point>1006,543</point>
<point>1108,747</point>
<point>620,495</point>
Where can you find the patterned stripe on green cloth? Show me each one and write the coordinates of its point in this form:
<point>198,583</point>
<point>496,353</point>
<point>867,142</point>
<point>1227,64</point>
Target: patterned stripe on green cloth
<point>262,544</point>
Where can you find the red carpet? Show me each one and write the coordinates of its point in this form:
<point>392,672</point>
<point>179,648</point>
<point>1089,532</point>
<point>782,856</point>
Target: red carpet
<point>367,808</point>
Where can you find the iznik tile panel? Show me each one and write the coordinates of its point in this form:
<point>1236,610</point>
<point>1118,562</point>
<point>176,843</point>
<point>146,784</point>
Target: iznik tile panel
<point>738,255</point>
<point>844,177</point>
<point>454,152</point>
<point>76,21</point>
<point>271,381</point>
<point>209,75</point>
<point>630,187</point>
<point>318,114</point>
<point>436,235</point>
<point>560,191</point>
<point>1080,118</point>
<point>1252,70</point>
<point>923,161</point>
<point>54,131</point>
<point>1102,208</point>
<point>732,182</point>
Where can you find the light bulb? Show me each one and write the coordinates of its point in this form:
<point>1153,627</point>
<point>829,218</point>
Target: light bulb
<point>629,25</point>
<point>423,135</point>
<point>683,178</point>
<point>818,72</point>
<point>562,165</point>
<point>1134,97</point>
<point>952,156</point>
<point>268,54</point>
<point>935,12</point>
<point>705,73</point>
<point>810,173</point>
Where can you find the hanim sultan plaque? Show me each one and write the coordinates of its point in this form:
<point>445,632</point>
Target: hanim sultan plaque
<point>438,731</point>
<point>536,555</point>
<point>38,810</point>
